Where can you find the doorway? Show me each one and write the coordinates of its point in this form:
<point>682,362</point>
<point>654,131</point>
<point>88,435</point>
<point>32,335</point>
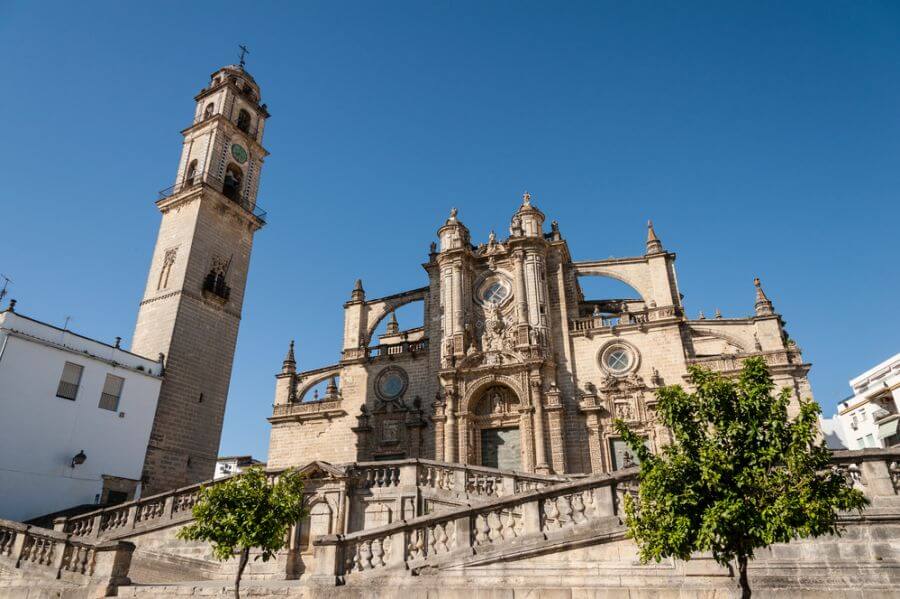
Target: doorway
<point>501,448</point>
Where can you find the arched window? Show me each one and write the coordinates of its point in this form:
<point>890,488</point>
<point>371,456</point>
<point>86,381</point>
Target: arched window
<point>191,173</point>
<point>231,187</point>
<point>243,121</point>
<point>208,112</point>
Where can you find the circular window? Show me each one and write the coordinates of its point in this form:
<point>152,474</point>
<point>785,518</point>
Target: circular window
<point>618,359</point>
<point>495,293</point>
<point>495,290</point>
<point>391,383</point>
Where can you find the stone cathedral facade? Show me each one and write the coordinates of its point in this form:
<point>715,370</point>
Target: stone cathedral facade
<point>191,307</point>
<point>514,367</point>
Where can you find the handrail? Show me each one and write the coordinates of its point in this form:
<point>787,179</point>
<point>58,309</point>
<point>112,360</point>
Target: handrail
<point>209,180</point>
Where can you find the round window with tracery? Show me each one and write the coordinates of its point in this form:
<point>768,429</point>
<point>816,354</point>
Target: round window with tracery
<point>618,359</point>
<point>391,383</point>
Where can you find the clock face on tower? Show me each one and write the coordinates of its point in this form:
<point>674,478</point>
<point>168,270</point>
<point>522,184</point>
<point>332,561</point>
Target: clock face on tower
<point>239,153</point>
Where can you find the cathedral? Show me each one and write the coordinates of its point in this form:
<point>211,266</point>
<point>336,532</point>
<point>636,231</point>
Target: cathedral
<point>514,367</point>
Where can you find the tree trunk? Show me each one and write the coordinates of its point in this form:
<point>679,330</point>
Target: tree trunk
<point>745,584</point>
<point>242,563</point>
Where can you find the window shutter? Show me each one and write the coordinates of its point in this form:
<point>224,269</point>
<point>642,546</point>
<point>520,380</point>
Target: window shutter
<point>71,374</point>
<point>112,391</point>
<point>69,381</point>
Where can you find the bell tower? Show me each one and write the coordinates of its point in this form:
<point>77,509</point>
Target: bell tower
<point>191,307</point>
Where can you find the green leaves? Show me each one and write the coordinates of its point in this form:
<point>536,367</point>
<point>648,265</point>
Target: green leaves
<point>739,474</point>
<point>246,512</point>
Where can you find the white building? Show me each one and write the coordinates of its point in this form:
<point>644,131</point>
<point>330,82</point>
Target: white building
<point>870,417</point>
<point>75,418</point>
<point>228,465</point>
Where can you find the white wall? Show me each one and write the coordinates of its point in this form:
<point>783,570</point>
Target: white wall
<point>40,433</point>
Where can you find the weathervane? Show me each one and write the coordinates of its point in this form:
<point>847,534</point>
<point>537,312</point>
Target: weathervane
<point>244,52</point>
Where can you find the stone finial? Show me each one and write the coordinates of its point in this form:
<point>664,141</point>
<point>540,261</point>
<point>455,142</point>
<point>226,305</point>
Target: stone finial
<point>701,317</point>
<point>393,327</point>
<point>453,213</point>
<point>432,249</point>
<point>331,389</point>
<point>289,366</point>
<point>654,245</point>
<point>718,313</point>
<point>358,294</point>
<point>526,199</point>
<point>763,304</point>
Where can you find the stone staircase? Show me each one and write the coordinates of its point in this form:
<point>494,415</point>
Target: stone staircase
<point>409,488</point>
<point>420,528</point>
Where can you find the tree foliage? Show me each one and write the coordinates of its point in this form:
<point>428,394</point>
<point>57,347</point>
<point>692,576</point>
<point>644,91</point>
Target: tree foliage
<point>739,474</point>
<point>247,512</point>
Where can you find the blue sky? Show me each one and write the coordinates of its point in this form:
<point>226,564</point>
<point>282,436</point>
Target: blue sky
<point>763,138</point>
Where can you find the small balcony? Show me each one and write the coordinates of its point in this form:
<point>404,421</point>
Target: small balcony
<point>208,180</point>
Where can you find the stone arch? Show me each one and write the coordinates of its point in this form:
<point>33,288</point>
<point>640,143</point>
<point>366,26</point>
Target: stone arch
<point>474,391</point>
<point>730,339</point>
<point>378,310</point>
<point>318,522</point>
<point>634,272</point>
<point>307,382</point>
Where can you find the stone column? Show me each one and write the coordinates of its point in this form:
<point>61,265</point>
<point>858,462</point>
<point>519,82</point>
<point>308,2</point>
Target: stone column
<point>463,432</point>
<point>525,430</point>
<point>521,300</point>
<point>450,440</point>
<point>540,447</point>
<point>594,445</point>
<point>439,440</point>
<point>556,426</point>
<point>458,312</point>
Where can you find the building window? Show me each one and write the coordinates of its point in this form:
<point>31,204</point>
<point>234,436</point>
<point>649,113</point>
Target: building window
<point>112,391</point>
<point>231,187</point>
<point>618,358</point>
<point>243,121</point>
<point>870,440</point>
<point>69,381</point>
<point>191,173</point>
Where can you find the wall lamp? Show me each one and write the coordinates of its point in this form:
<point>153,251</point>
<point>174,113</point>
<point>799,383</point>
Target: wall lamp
<point>78,459</point>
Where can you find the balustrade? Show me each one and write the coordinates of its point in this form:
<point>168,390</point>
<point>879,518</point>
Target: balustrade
<point>57,554</point>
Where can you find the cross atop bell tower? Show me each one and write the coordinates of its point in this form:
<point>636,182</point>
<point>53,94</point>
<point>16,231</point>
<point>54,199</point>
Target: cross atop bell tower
<point>195,289</point>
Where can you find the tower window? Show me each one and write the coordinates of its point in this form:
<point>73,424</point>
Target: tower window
<point>215,283</point>
<point>231,187</point>
<point>243,121</point>
<point>192,170</point>
<point>166,269</point>
<point>208,112</point>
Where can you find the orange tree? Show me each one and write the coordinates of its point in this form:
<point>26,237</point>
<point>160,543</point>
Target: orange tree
<point>739,474</point>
